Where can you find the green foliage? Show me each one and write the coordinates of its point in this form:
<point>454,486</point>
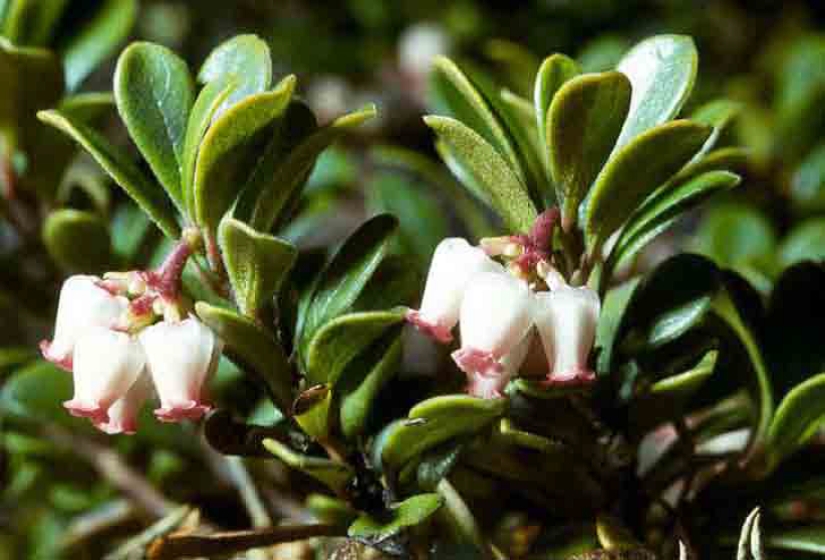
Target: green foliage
<point>78,241</point>
<point>409,513</point>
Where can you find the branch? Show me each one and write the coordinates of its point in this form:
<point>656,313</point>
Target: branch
<point>230,542</point>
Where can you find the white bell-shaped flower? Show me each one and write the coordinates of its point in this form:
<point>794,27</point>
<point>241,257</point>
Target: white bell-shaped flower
<point>495,317</point>
<point>181,355</point>
<point>123,414</point>
<point>491,386</point>
<point>82,305</point>
<point>566,319</point>
<point>455,262</point>
<point>106,364</point>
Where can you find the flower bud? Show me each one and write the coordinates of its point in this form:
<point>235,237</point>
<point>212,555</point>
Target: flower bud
<point>83,305</point>
<point>491,386</point>
<point>566,319</point>
<point>181,356</point>
<point>495,317</point>
<point>106,364</point>
<point>123,414</point>
<point>454,264</point>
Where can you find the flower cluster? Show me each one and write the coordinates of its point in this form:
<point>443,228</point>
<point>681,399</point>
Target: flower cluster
<point>511,317</point>
<point>122,335</point>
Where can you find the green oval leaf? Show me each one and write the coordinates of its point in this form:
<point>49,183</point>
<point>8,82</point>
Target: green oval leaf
<point>154,95</point>
<point>340,340</point>
<point>717,113</point>
<point>149,195</point>
<point>253,347</point>
<point>803,243</point>
<point>635,171</point>
<point>333,474</point>
<point>226,152</point>
<point>553,73</point>
<point>244,60</point>
<point>584,120</point>
<point>37,392</point>
<point>257,263</point>
<point>78,241</point>
<point>436,420</point>
<point>662,70</point>
<point>341,281</point>
<point>408,513</point>
<point>276,184</point>
<point>507,194</point>
<point>798,418</point>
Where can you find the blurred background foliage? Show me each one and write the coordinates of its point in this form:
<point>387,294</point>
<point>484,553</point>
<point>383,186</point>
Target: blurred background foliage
<point>767,55</point>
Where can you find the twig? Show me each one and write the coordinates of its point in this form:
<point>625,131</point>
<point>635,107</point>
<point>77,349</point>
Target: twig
<point>138,543</point>
<point>249,494</point>
<point>111,467</point>
<point>184,546</point>
<point>96,521</point>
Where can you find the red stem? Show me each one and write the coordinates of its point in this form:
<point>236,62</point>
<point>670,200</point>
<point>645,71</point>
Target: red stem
<point>168,275</point>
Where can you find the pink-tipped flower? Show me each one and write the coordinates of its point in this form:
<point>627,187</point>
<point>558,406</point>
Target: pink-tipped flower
<point>83,305</point>
<point>495,317</point>
<point>492,386</point>
<point>123,414</point>
<point>566,319</point>
<point>181,356</point>
<point>454,264</point>
<point>106,364</point>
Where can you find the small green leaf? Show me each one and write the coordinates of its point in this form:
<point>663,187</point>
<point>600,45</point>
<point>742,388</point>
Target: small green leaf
<point>97,39</point>
<point>254,348</point>
<point>662,70</point>
<point>808,182</point>
<point>78,241</point>
<point>129,227</point>
<point>87,107</point>
<point>277,182</point>
<point>312,411</point>
<point>362,381</point>
<point>583,122</point>
<point>435,421</point>
<point>717,113</point>
<point>809,539</point>
<point>154,95</point>
<point>344,277</point>
<point>736,233</point>
<point>333,474</point>
<point>257,263</point>
<point>226,151</point>
<point>798,418</point>
<point>340,340</point>
<point>462,100</point>
<point>408,513</point>
<point>635,171</point>
<point>149,196</point>
<point>502,187</point>
<point>37,392</point>
<point>804,242</point>
<point>244,60</point>
<point>553,73</point>
<point>662,209</point>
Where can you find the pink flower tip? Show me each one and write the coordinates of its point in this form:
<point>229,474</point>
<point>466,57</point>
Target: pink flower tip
<point>472,360</point>
<point>574,378</point>
<point>437,332</point>
<point>190,410</point>
<point>94,412</point>
<point>63,362</point>
<point>485,386</point>
<point>112,428</point>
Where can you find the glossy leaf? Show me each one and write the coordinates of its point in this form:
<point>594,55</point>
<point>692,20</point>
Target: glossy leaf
<point>409,513</point>
<point>341,339</point>
<point>331,473</point>
<point>583,122</point>
<point>154,95</point>
<point>554,71</point>
<point>436,420</point>
<point>278,179</point>
<point>798,418</point>
<point>359,385</point>
<point>149,196</point>
<point>663,208</point>
<point>77,240</point>
<point>661,70</point>
<point>243,60</point>
<point>635,171</point>
<point>224,156</point>
<point>257,263</point>
<point>97,39</point>
<point>804,242</point>
<point>344,277</point>
<point>463,101</point>
<point>717,113</point>
<point>252,347</point>
<point>502,187</point>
